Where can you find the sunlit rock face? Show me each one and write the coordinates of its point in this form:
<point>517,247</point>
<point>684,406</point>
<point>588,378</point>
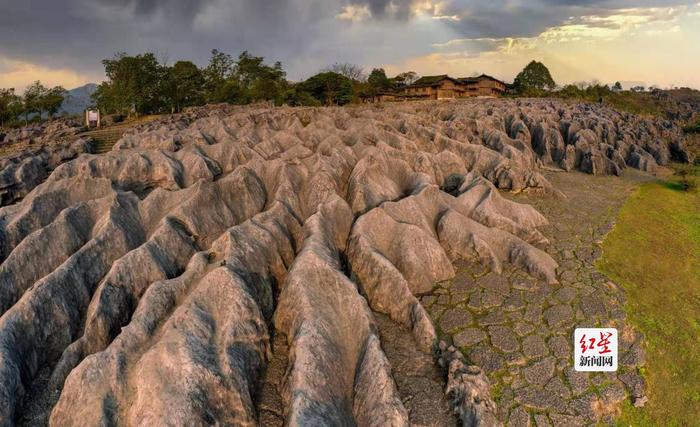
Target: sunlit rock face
<point>142,286</point>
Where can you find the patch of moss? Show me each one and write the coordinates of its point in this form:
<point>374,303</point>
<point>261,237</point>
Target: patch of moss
<point>497,385</point>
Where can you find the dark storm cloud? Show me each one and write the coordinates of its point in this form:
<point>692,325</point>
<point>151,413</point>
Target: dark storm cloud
<point>77,34</point>
<point>182,10</point>
<point>380,9</point>
<point>304,34</point>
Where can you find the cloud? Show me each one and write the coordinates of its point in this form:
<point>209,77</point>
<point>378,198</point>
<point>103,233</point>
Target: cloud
<point>307,35</point>
<point>78,34</point>
<point>606,26</point>
<point>380,9</point>
<point>354,13</point>
<point>652,45</point>
<point>529,18</point>
<point>182,11</point>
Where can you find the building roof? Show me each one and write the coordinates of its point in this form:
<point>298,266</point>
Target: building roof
<point>476,79</point>
<point>430,81</point>
<point>427,81</point>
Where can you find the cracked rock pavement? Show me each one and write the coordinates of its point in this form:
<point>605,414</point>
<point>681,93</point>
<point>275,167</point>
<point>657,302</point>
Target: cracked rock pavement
<point>520,330</point>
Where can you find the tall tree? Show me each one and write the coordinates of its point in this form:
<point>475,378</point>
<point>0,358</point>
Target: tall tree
<point>53,99</point>
<point>185,85</point>
<point>260,81</point>
<point>534,76</point>
<point>141,84</point>
<point>329,88</point>
<point>33,98</point>
<point>378,81</point>
<point>220,68</point>
<point>10,106</point>
<point>134,84</point>
<point>244,80</point>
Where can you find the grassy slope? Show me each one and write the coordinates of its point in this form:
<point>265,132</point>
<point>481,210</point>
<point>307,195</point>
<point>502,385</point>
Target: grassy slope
<point>654,253</point>
<point>637,103</point>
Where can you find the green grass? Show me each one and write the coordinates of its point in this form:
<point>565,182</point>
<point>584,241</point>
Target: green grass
<point>634,103</point>
<point>654,254</point>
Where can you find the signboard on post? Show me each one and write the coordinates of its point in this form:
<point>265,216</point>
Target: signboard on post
<point>92,118</point>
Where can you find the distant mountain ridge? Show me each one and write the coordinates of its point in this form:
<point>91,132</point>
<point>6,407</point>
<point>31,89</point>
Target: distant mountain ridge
<point>78,99</point>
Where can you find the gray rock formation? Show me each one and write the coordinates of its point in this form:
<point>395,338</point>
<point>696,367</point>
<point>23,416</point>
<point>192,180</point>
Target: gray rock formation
<point>21,172</point>
<point>47,132</point>
<point>141,287</point>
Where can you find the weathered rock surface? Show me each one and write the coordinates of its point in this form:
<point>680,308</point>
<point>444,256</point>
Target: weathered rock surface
<point>47,132</point>
<point>141,287</point>
<point>20,173</point>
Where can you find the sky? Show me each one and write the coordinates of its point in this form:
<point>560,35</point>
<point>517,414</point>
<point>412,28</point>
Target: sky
<point>648,42</point>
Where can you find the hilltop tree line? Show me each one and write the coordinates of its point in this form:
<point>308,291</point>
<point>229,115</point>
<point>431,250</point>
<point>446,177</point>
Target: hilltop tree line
<point>140,84</point>
<point>536,81</point>
<point>36,101</point>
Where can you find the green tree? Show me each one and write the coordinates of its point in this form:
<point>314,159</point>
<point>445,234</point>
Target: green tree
<point>105,97</point>
<point>617,87</point>
<point>378,81</point>
<point>32,100</point>
<point>329,88</point>
<point>258,80</point>
<point>134,84</point>
<point>185,85</point>
<point>296,96</point>
<point>10,106</point>
<point>220,68</point>
<point>52,100</point>
<point>534,76</point>
<point>247,79</point>
<point>142,85</point>
<point>232,92</point>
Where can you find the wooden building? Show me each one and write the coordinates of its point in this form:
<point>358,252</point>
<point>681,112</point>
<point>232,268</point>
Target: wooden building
<point>483,85</point>
<point>436,87</point>
<point>443,87</point>
<point>446,87</point>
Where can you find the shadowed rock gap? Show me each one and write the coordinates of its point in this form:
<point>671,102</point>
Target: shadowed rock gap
<point>419,380</point>
<point>270,406</point>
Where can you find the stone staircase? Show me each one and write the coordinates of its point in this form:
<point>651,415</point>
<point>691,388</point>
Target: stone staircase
<point>105,138</point>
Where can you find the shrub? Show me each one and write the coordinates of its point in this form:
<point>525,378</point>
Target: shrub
<point>688,177</point>
<point>692,128</point>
